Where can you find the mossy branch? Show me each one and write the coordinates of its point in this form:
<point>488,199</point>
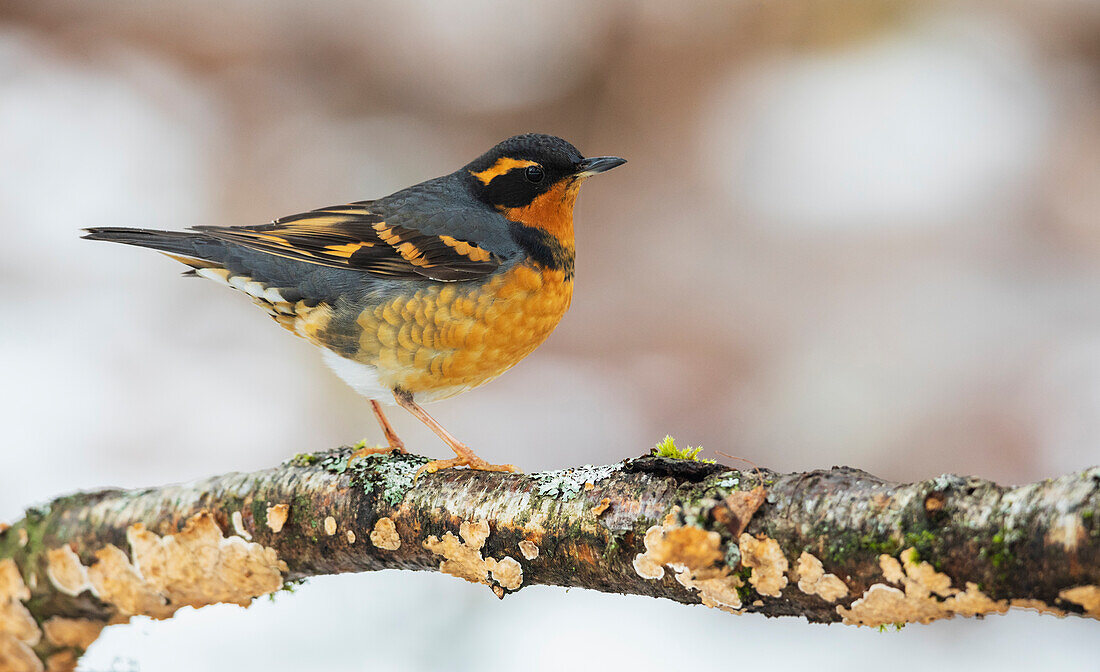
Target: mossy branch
<point>837,545</point>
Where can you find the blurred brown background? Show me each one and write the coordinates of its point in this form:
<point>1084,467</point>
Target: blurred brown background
<point>850,232</point>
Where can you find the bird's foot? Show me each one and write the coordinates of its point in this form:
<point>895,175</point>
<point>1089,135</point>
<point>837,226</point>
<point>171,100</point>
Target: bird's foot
<point>363,451</point>
<point>466,457</point>
<point>470,462</point>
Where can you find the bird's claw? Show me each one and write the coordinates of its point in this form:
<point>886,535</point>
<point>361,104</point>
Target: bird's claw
<point>474,463</point>
<point>377,450</point>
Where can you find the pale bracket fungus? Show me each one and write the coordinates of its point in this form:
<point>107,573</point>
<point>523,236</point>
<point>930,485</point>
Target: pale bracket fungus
<point>16,656</point>
<point>276,517</point>
<point>1085,596</point>
<point>696,557</point>
<point>462,558</point>
<point>814,581</point>
<point>78,633</point>
<point>62,661</point>
<point>644,564</point>
<point>18,629</point>
<point>916,601</point>
<point>529,550</point>
<point>1037,606</point>
<point>65,572</point>
<point>238,526</point>
<point>196,567</point>
<point>769,565</point>
<point>384,535</point>
<point>506,571</point>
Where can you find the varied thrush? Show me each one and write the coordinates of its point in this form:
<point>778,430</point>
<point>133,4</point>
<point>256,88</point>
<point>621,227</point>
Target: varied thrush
<point>420,295</point>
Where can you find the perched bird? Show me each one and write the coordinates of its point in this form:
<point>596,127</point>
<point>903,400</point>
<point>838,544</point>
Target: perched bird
<point>420,295</point>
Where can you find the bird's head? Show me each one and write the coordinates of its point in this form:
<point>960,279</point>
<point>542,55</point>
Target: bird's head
<point>533,179</point>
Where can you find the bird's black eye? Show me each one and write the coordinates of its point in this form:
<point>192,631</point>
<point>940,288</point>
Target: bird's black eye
<point>534,174</point>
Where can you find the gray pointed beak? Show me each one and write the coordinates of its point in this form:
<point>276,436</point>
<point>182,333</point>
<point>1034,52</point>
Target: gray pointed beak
<point>597,164</point>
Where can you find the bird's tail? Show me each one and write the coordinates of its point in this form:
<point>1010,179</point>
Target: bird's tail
<point>193,249</point>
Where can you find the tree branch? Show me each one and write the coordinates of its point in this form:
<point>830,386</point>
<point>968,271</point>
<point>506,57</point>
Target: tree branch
<point>837,545</point>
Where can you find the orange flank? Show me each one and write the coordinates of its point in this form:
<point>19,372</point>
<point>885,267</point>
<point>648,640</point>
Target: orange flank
<point>445,339</point>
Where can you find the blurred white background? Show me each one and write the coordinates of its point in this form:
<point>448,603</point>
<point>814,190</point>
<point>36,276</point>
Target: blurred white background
<point>850,232</point>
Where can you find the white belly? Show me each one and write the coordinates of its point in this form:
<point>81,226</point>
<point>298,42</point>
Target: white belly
<point>363,378</point>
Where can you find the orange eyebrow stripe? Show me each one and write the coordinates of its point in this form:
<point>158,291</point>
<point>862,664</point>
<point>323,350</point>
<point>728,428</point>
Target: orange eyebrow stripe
<point>502,165</point>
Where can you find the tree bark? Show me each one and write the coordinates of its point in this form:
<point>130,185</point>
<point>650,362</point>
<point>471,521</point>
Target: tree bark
<point>831,546</point>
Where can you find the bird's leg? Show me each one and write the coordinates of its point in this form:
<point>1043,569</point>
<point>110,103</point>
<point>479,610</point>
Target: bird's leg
<point>391,436</point>
<point>466,457</point>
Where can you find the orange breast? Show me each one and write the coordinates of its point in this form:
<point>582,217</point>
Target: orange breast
<point>448,338</point>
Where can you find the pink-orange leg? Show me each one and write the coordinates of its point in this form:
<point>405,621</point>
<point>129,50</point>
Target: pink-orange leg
<point>466,457</point>
<point>391,436</point>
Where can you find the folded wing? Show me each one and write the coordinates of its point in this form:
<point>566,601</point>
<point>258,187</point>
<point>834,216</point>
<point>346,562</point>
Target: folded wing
<point>355,238</point>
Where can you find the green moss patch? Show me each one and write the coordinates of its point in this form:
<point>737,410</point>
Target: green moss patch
<point>667,448</point>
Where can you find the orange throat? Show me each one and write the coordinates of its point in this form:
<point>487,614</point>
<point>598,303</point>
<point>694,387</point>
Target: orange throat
<point>551,212</point>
